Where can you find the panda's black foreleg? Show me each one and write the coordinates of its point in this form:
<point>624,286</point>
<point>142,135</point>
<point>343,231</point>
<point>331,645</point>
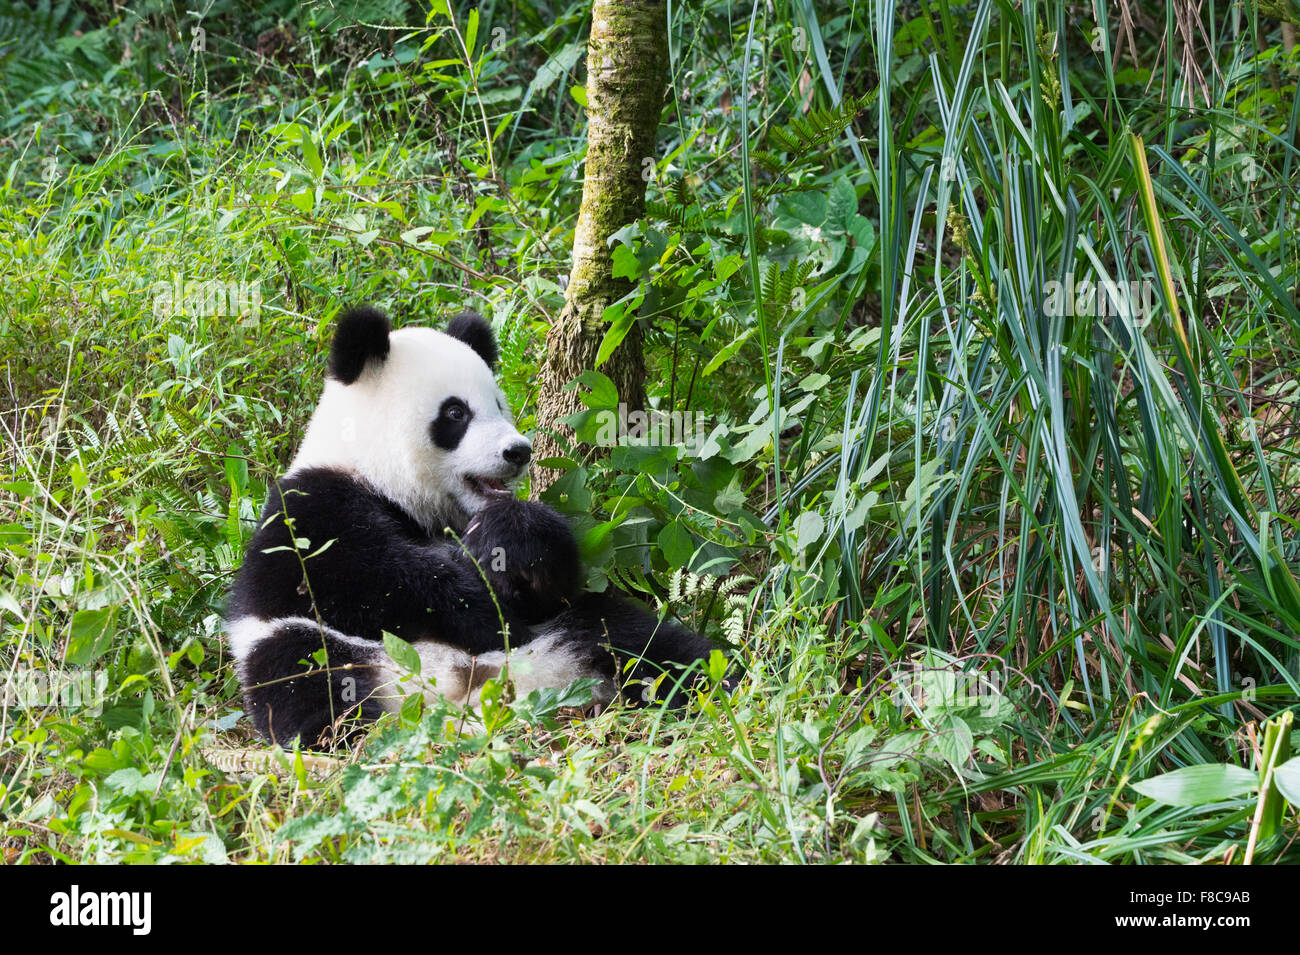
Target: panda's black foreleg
<point>528,554</point>
<point>644,647</point>
<point>530,557</point>
<point>295,691</point>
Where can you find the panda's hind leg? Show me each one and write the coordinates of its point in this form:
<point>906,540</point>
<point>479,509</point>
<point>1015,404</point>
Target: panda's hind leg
<point>645,648</point>
<point>295,691</point>
<point>556,656</point>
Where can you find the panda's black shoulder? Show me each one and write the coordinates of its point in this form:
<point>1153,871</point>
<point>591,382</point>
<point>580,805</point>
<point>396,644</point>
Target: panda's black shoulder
<point>337,499</point>
<point>327,527</point>
<point>326,487</point>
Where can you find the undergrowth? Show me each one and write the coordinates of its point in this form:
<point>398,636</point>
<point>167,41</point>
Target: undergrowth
<point>995,346</point>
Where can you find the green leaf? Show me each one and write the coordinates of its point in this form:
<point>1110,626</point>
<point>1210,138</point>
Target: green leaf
<point>1199,785</point>
<point>91,635</point>
<point>394,209</point>
<point>471,31</point>
<point>556,464</point>
<point>309,151</point>
<point>594,541</point>
<point>864,234</point>
<point>322,548</point>
<point>14,534</point>
<point>808,529</point>
<point>412,708</point>
<point>801,208</point>
<point>569,494</point>
<point>676,544</point>
<point>236,471</point>
<point>754,441</point>
<point>620,316</point>
<point>414,236</point>
<point>309,831</point>
<point>717,666</point>
<point>542,704</point>
<point>1287,780</point>
<point>954,740</point>
<point>559,64</point>
<point>579,94</point>
<point>10,603</point>
<point>727,351</point>
<point>713,446</point>
<point>403,654</point>
<point>128,781</point>
<point>588,425</point>
<point>842,204</point>
<point>601,393</point>
<point>731,498</point>
<point>626,264</point>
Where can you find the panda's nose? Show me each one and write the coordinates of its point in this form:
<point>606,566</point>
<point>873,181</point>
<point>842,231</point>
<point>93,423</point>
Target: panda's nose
<point>518,454</point>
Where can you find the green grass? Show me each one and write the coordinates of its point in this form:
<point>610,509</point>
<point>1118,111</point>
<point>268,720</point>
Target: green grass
<point>1014,560</point>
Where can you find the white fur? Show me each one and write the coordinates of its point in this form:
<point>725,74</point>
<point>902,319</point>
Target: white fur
<point>445,670</point>
<point>244,634</point>
<point>377,428</point>
<point>247,632</point>
<point>547,661</point>
<point>457,676</point>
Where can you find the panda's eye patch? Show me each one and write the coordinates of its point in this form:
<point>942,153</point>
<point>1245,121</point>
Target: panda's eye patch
<point>449,427</point>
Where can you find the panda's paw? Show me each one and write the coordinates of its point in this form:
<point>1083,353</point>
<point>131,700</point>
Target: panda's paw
<point>528,553</point>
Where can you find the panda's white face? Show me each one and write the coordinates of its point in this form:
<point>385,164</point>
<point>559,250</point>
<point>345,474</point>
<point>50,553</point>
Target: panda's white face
<point>426,425</point>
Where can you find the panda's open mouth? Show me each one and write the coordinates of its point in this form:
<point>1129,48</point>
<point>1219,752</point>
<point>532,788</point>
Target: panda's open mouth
<point>487,487</point>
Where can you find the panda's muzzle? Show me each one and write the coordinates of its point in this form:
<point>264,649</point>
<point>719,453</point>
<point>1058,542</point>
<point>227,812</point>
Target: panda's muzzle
<point>488,487</point>
<point>515,460</point>
<point>519,454</point>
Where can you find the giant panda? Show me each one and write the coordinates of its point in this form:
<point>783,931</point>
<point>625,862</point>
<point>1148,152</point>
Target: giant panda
<point>398,514</point>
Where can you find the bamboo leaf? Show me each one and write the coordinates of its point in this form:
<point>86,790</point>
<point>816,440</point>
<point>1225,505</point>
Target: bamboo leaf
<point>1199,785</point>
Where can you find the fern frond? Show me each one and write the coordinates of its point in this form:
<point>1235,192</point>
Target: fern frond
<point>818,127</point>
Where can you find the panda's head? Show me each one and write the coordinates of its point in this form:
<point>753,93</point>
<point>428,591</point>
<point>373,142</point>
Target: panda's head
<point>417,415</point>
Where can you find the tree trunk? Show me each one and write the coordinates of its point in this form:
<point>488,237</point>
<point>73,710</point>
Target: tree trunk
<point>627,67</point>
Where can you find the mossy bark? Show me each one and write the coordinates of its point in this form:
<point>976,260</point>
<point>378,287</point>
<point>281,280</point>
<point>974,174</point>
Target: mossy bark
<point>627,69</point>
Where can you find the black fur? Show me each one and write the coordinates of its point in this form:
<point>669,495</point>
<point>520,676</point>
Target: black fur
<point>362,335</point>
<point>474,331</point>
<point>451,424</point>
<point>644,647</point>
<point>529,556</point>
<point>332,548</point>
<point>327,696</point>
<point>381,571</point>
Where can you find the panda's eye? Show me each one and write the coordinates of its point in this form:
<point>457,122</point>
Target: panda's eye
<point>451,424</point>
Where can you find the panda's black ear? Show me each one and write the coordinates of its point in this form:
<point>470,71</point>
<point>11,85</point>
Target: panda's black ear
<point>362,335</point>
<point>474,331</point>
